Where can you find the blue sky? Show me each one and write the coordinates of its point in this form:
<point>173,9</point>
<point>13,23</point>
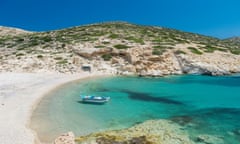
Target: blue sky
<point>218,18</point>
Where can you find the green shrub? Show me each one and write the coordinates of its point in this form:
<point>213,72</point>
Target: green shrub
<point>105,42</point>
<point>62,62</point>
<point>19,40</point>
<point>179,52</point>
<point>106,57</point>
<point>121,46</point>
<point>114,36</point>
<point>209,49</point>
<point>140,41</point>
<point>29,51</point>
<point>157,40</point>
<point>10,46</point>
<point>63,45</point>
<point>20,54</point>
<point>99,46</point>
<point>195,51</point>
<point>2,41</point>
<point>235,51</point>
<point>97,34</point>
<point>157,46</point>
<point>39,56</point>
<point>58,58</point>
<point>158,51</point>
<point>33,43</point>
<point>21,48</point>
<point>223,49</point>
<point>136,40</point>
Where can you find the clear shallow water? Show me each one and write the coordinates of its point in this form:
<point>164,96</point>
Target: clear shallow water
<point>202,104</point>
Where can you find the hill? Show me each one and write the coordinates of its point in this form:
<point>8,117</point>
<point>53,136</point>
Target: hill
<point>235,40</point>
<point>4,31</point>
<point>118,47</point>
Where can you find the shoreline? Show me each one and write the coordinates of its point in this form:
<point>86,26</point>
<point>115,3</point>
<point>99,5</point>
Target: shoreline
<point>85,77</point>
<point>20,94</point>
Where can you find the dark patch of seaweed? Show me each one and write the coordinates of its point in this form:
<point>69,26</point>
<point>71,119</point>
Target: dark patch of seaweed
<point>148,98</point>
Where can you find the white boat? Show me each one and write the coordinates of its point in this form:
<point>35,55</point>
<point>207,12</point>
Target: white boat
<point>94,99</point>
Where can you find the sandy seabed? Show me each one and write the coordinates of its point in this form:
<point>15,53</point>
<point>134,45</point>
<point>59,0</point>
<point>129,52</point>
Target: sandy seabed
<point>19,95</point>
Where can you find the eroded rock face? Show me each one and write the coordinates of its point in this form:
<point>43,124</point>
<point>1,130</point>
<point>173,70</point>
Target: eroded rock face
<point>209,64</point>
<point>85,52</point>
<point>67,138</point>
<point>136,61</point>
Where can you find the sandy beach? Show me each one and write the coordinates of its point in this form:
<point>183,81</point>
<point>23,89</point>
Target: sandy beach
<point>19,94</point>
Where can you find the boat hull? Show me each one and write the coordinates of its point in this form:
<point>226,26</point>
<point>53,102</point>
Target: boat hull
<point>94,99</point>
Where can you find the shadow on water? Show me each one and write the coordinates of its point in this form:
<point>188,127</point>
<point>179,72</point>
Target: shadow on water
<point>91,103</point>
<point>148,98</point>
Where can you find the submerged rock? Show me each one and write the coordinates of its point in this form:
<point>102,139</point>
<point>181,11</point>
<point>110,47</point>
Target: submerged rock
<point>209,139</point>
<point>182,120</point>
<point>236,132</point>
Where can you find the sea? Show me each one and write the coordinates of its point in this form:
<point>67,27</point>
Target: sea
<point>208,105</point>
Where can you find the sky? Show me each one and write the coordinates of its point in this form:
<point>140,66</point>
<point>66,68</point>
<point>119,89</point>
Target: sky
<point>217,18</point>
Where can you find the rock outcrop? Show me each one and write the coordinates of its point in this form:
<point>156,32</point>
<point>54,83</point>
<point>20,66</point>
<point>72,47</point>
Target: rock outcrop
<point>149,132</point>
<point>210,64</point>
<point>67,138</point>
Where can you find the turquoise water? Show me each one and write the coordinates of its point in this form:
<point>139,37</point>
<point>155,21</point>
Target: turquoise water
<point>201,104</point>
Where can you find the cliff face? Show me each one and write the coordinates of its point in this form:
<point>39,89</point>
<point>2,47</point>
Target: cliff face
<point>119,48</point>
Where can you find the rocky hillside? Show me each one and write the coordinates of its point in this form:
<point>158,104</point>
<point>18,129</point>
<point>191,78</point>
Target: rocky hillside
<point>7,31</point>
<point>117,47</point>
<point>235,40</point>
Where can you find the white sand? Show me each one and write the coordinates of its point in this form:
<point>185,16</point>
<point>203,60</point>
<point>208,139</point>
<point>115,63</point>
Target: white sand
<point>19,94</point>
